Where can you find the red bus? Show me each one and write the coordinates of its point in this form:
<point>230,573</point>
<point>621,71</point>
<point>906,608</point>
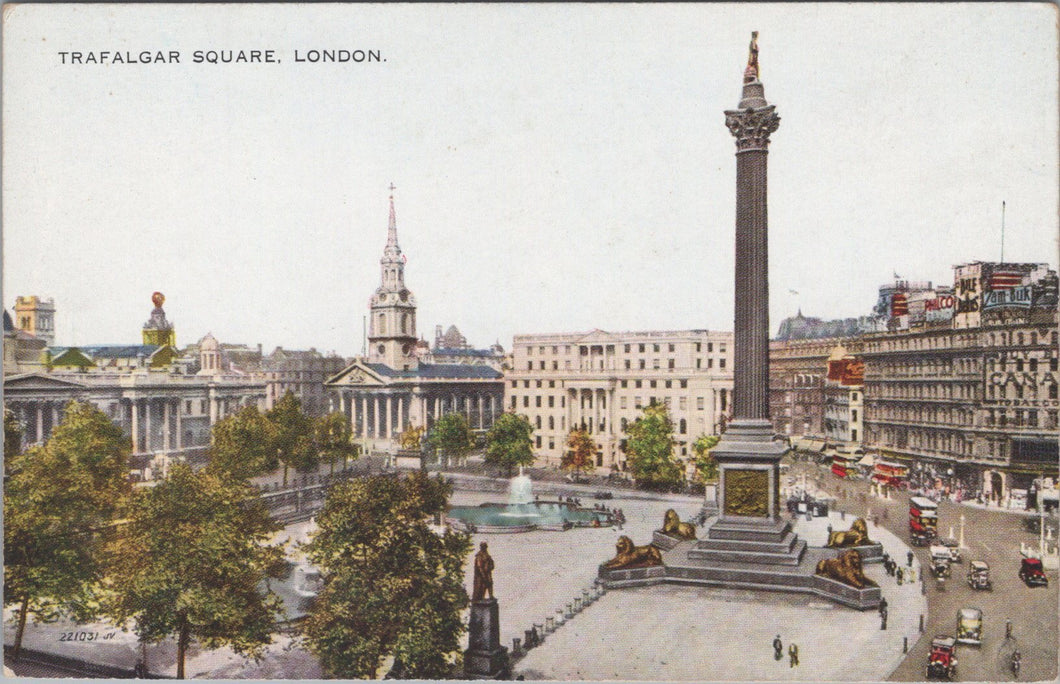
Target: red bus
<point>888,473</point>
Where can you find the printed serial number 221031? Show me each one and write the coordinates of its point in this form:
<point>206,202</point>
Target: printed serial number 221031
<point>84,636</point>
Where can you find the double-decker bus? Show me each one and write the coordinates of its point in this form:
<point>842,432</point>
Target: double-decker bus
<point>889,473</point>
<point>923,520</point>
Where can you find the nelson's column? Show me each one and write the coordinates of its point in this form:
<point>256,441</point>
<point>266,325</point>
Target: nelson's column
<point>748,458</point>
<point>748,545</point>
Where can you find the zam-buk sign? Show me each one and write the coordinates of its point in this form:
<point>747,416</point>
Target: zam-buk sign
<point>1016,296</point>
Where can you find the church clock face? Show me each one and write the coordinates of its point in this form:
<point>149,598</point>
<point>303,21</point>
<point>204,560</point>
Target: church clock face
<point>382,349</point>
<point>404,295</point>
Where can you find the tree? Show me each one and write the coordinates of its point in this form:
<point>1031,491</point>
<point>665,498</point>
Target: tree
<point>392,586</point>
<point>294,435</point>
<point>706,464</point>
<point>650,448</point>
<point>580,451</point>
<point>244,445</point>
<point>452,436</point>
<point>332,437</point>
<point>12,434</point>
<point>191,563</point>
<point>58,501</point>
<point>508,442</point>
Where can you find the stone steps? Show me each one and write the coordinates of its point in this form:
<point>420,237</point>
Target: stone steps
<point>786,556</point>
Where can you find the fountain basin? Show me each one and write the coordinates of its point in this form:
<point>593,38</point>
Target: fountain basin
<point>523,517</point>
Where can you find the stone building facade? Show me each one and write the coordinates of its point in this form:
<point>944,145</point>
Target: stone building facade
<point>601,381</point>
<point>797,372</point>
<point>960,383</point>
<point>166,413</point>
<point>302,372</point>
<point>970,408</point>
<point>36,316</point>
<point>394,387</point>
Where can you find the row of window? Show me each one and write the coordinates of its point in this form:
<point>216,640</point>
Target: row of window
<point>550,402</point>
<point>642,348</point>
<point>642,364</point>
<point>1003,338</point>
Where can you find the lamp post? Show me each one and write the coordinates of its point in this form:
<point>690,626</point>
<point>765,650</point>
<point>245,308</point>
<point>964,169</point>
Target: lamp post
<point>961,541</point>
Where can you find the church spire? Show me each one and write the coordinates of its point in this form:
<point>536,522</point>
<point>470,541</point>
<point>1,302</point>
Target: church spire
<point>392,251</point>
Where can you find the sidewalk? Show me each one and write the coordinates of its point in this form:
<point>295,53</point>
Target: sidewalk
<point>662,632</point>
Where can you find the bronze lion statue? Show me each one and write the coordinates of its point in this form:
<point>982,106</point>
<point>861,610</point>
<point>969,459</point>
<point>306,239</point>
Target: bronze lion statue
<point>846,567</point>
<point>857,535</point>
<point>673,526</point>
<point>629,556</point>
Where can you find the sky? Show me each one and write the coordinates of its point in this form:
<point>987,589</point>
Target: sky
<point>557,168</point>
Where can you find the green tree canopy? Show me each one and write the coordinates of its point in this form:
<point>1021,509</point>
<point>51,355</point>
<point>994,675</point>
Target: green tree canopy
<point>243,445</point>
<point>59,500</point>
<point>650,448</point>
<point>332,438</point>
<point>191,563</point>
<point>706,465</point>
<point>451,435</point>
<point>392,586</point>
<point>580,452</point>
<point>293,436</point>
<point>508,443</point>
<point>12,434</point>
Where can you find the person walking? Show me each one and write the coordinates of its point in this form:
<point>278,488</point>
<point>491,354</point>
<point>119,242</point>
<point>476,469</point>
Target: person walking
<point>1008,628</point>
<point>909,558</point>
<point>883,619</point>
<point>778,648</point>
<point>901,576</point>
<point>883,605</point>
<point>793,652</point>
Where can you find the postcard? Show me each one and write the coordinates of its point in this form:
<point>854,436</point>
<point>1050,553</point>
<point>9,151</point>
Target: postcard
<point>531,341</point>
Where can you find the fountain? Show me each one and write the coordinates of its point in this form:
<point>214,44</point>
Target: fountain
<point>520,490</point>
<point>522,513</point>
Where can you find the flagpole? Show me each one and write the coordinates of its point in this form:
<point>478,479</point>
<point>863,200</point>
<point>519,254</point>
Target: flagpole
<point>1002,231</point>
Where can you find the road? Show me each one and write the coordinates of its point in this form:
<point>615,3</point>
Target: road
<point>991,536</point>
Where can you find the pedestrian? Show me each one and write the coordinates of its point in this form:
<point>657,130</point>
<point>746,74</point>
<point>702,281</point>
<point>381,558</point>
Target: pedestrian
<point>883,605</point>
<point>793,651</point>
<point>1008,628</point>
<point>829,530</point>
<point>900,576</point>
<point>883,619</point>
<point>909,558</point>
<point>911,575</point>
<point>778,648</point>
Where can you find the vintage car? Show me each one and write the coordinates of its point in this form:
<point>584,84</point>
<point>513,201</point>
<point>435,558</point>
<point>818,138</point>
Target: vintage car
<point>919,538</point>
<point>940,561</point>
<point>1032,573</point>
<point>955,549</point>
<point>979,575</point>
<point>942,661</point>
<point>970,626</point>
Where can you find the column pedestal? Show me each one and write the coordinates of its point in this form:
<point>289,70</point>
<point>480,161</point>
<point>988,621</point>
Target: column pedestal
<point>485,658</point>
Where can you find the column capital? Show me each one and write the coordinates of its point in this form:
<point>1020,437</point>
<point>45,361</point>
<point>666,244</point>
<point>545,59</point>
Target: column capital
<point>752,127</point>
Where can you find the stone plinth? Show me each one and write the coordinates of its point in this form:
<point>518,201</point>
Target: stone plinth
<point>485,658</point>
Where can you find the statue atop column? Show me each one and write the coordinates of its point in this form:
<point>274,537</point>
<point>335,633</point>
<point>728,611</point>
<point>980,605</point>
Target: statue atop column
<point>751,72</point>
<point>483,574</point>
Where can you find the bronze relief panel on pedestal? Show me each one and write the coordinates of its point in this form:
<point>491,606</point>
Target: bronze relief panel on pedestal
<point>747,492</point>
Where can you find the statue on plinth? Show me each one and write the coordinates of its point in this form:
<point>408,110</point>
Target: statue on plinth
<point>750,74</point>
<point>673,527</point>
<point>483,574</point>
<point>629,556</point>
<point>857,535</point>
<point>845,568</point>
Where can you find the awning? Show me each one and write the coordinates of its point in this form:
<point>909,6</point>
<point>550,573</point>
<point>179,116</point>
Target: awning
<point>867,461</point>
